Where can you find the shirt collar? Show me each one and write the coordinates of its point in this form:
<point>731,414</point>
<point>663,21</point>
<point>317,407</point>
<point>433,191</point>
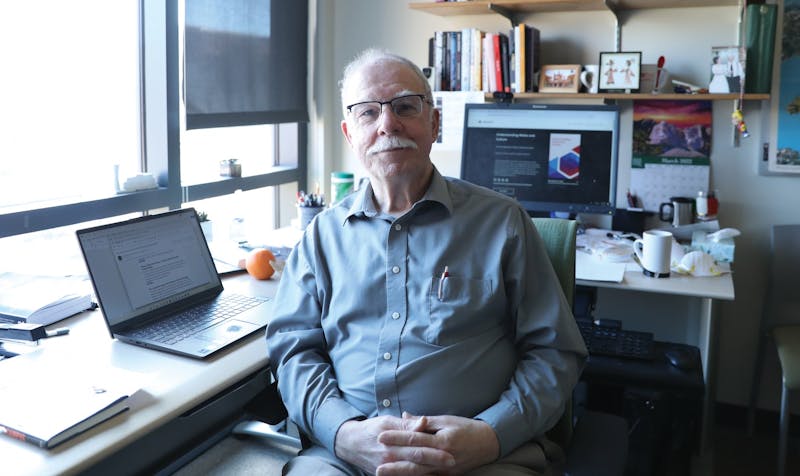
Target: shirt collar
<point>364,203</point>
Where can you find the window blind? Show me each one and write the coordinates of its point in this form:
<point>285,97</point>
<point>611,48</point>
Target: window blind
<point>245,62</point>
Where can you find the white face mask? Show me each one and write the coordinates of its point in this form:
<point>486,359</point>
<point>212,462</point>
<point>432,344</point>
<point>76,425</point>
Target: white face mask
<point>698,263</point>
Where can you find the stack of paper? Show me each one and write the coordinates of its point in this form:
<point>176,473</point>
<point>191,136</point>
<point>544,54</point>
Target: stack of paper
<point>42,299</point>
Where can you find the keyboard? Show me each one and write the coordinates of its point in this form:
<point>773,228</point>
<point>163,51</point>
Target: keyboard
<point>616,342</point>
<point>199,317</point>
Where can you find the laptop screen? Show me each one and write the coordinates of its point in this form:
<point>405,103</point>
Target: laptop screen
<point>148,263</point>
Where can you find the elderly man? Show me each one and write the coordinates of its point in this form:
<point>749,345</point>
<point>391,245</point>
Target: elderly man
<point>419,327</point>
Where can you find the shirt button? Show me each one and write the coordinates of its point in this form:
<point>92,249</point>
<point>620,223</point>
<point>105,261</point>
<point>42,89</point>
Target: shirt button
<point>387,356</point>
<point>395,269</point>
<point>398,227</point>
<point>395,315</point>
<point>386,403</point>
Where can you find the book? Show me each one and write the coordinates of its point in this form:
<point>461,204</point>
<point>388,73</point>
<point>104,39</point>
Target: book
<point>505,69</point>
<point>63,400</point>
<point>37,299</point>
<point>532,56</point>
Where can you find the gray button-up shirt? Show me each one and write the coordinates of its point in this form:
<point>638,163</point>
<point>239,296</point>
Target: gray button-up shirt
<point>367,323</point>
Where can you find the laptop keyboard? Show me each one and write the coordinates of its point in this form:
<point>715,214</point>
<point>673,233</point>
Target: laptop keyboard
<point>203,316</point>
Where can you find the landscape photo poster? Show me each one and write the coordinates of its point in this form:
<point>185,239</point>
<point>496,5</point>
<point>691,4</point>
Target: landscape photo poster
<point>671,150</point>
<point>784,150</point>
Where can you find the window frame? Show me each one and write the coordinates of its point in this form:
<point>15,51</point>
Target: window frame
<point>160,133</point>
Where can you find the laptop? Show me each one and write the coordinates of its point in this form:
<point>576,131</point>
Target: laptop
<point>157,286</point>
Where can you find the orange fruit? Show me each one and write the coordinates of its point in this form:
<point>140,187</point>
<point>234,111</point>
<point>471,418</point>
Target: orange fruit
<point>259,263</point>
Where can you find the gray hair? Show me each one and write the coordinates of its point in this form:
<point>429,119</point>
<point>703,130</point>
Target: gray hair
<point>376,55</point>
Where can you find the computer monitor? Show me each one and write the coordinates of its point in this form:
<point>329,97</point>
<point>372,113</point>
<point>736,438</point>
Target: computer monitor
<point>551,158</point>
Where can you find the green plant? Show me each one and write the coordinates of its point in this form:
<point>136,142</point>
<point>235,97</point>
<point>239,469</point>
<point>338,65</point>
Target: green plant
<point>202,216</point>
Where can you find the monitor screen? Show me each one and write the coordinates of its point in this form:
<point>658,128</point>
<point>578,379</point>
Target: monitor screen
<point>551,158</point>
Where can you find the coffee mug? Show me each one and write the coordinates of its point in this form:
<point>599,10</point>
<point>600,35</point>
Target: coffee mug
<point>589,78</point>
<point>654,251</point>
<point>679,211</point>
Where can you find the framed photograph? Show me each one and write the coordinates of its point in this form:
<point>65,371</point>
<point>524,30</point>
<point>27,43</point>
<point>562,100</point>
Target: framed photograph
<point>620,72</point>
<point>560,78</point>
<point>727,69</point>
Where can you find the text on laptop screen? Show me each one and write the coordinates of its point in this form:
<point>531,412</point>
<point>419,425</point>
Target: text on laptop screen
<point>560,158</point>
<point>143,265</point>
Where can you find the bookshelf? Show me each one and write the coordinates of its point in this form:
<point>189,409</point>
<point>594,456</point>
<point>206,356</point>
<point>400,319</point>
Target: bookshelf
<point>482,7</point>
<point>632,96</point>
<point>512,9</point>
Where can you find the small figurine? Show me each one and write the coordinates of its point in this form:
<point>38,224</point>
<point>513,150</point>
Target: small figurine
<point>737,118</point>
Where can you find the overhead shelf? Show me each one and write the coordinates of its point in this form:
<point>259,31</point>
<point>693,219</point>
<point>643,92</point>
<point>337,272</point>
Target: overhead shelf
<point>482,7</point>
<point>637,96</point>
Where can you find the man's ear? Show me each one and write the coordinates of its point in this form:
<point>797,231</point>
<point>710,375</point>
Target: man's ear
<point>346,133</point>
<point>435,123</point>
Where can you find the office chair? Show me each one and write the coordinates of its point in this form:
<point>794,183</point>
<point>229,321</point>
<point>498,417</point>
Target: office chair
<point>780,321</point>
<point>595,443</point>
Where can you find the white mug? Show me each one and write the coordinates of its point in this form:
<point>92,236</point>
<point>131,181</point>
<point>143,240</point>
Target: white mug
<point>654,251</point>
<point>590,78</point>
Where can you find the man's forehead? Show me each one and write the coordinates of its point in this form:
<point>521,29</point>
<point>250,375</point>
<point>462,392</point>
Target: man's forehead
<point>386,79</point>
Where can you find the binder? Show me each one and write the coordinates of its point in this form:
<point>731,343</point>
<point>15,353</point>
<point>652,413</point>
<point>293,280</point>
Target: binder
<point>760,43</point>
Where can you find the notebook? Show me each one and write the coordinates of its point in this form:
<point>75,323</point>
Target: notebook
<point>157,286</point>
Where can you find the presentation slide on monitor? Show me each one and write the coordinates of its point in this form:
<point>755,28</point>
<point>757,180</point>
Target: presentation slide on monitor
<point>533,165</point>
<point>549,158</point>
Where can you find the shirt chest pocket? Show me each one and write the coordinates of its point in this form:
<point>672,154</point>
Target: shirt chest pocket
<point>460,308</point>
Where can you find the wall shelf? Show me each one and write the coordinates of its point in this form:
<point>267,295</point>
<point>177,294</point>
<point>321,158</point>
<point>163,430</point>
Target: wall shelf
<point>512,9</point>
<point>482,7</point>
<point>635,96</point>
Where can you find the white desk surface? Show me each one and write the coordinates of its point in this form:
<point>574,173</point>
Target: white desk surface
<point>174,385</point>
<point>712,287</point>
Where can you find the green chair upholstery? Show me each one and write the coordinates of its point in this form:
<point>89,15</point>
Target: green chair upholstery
<point>596,443</point>
<point>780,321</point>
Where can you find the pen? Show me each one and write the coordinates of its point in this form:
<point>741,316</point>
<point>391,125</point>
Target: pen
<point>445,274</point>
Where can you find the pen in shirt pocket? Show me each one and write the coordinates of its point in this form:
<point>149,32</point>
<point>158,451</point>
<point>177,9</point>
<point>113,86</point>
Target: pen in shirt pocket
<point>445,274</point>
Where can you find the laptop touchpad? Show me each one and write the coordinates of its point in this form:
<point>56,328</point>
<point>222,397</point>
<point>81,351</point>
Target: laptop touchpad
<point>225,330</point>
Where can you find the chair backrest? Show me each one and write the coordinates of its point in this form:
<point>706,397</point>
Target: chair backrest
<point>559,240</point>
<point>783,299</point>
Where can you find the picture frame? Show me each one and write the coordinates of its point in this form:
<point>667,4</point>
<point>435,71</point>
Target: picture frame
<point>560,78</point>
<point>620,72</point>
<point>727,69</point>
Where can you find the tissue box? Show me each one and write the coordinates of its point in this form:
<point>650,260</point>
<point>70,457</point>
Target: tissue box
<point>721,250</point>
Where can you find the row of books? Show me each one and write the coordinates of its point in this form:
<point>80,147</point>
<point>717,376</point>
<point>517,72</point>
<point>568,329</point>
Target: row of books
<point>475,60</point>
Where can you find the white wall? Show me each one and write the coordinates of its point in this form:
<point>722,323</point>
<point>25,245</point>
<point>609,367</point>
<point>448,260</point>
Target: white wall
<point>748,201</point>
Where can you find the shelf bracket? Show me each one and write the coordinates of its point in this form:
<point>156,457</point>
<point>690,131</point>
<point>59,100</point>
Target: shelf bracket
<point>505,12</point>
<point>617,27</point>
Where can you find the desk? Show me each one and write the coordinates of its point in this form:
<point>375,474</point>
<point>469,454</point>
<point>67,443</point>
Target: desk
<point>175,386</point>
<point>704,289</point>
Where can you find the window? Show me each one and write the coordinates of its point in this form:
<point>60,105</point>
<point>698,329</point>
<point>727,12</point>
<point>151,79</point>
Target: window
<point>86,95</point>
<point>70,102</point>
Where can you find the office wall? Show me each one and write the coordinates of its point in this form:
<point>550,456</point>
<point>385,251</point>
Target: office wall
<point>748,201</point>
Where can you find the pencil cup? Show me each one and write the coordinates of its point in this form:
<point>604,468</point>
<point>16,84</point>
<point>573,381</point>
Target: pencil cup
<point>306,214</point>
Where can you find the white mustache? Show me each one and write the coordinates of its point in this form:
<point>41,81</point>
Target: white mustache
<point>385,143</point>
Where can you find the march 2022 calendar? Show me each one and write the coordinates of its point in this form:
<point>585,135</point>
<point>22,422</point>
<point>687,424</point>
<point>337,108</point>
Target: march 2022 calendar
<point>671,150</point>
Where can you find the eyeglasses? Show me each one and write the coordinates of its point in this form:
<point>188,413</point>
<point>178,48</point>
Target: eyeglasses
<point>368,112</point>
